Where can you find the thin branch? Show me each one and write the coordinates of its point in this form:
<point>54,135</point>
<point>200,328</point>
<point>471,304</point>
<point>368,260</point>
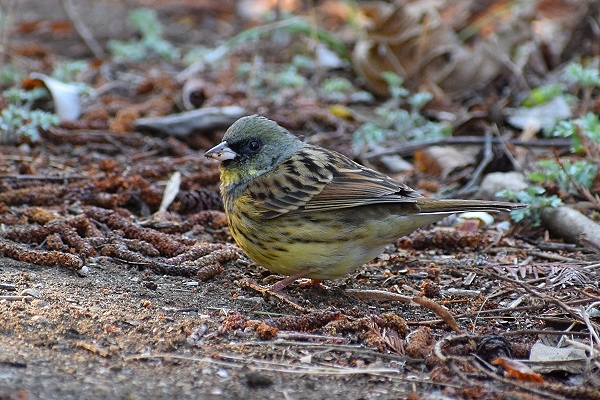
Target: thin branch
<point>409,148</point>
<point>82,30</point>
<point>516,165</point>
<point>272,366</point>
<point>7,8</point>
<point>487,158</point>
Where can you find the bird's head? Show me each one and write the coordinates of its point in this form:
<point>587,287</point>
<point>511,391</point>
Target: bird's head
<point>251,147</point>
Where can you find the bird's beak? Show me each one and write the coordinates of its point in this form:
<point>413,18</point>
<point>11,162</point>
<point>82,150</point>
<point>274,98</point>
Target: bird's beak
<point>221,152</point>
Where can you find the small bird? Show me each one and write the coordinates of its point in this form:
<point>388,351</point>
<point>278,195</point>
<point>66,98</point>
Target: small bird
<point>309,212</point>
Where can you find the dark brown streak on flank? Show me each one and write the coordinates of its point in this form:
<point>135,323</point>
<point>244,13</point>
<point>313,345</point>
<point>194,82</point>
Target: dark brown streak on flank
<point>250,239</point>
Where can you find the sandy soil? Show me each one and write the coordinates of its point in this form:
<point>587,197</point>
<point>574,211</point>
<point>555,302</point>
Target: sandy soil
<point>125,334</point>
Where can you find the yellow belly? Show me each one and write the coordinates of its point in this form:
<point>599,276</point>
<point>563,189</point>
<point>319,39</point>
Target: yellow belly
<point>331,244</point>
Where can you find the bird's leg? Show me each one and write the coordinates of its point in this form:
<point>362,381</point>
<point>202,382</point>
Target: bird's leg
<point>277,287</point>
<point>266,292</point>
<point>308,283</point>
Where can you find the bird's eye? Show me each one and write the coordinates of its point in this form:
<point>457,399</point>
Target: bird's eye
<point>253,146</point>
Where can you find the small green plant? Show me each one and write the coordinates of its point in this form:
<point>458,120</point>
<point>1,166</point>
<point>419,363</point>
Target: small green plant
<point>567,175</point>
<point>303,62</point>
<point>23,98</point>
<point>289,77</point>
<point>583,131</point>
<point>543,94</point>
<point>395,85</point>
<point>537,199</point>
<point>396,123</point>
<point>337,85</point>
<point>279,30</point>
<point>585,78</point>
<point>18,122</point>
<point>10,75</point>
<point>576,77</point>
<point>151,43</point>
<point>571,177</point>
<point>67,72</point>
<point>341,90</point>
<point>262,81</point>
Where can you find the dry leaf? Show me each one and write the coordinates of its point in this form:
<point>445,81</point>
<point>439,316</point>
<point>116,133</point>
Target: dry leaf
<point>518,370</point>
<point>441,161</point>
<point>413,41</point>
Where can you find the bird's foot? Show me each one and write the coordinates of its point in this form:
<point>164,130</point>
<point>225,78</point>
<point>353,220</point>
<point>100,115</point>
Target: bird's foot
<point>278,286</point>
<point>273,291</point>
<point>312,283</point>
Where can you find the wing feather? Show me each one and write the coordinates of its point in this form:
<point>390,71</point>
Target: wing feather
<point>315,179</point>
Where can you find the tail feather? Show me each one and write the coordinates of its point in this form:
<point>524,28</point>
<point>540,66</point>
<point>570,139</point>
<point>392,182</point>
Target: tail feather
<point>450,206</point>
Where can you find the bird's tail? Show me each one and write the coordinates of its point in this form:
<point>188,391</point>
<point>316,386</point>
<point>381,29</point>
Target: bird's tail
<point>451,206</point>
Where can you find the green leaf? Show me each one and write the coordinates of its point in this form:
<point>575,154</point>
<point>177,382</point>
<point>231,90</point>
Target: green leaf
<point>418,100</point>
<point>590,126</point>
<point>585,77</point>
<point>542,94</point>
<point>289,78</point>
<point>146,22</point>
<point>336,84</point>
<point>394,82</point>
<point>151,42</point>
<point>537,200</point>
<point>537,177</point>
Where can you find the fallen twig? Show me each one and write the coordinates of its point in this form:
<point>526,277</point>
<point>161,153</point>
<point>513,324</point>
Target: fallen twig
<point>82,29</point>
<point>569,224</point>
<point>410,148</point>
<point>488,156</point>
<point>16,298</point>
<point>185,123</point>
<point>93,349</point>
<point>380,295</point>
<point>271,366</point>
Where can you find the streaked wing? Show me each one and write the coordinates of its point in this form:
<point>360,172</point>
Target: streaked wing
<point>315,179</point>
<point>354,185</point>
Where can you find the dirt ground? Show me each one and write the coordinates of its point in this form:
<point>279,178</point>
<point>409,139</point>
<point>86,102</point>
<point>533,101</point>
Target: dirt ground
<point>109,336</point>
<point>122,332</point>
<point>112,334</point>
<point>81,337</point>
